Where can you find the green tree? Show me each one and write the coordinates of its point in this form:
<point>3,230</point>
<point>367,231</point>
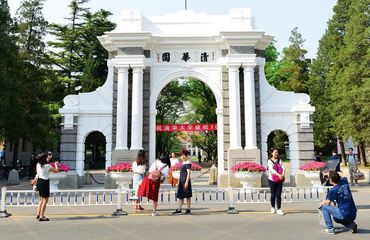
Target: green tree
<point>272,65</point>
<point>351,93</point>
<point>294,67</point>
<point>202,106</point>
<point>68,60</point>
<point>170,106</point>
<point>94,55</point>
<point>12,110</point>
<point>31,32</point>
<point>81,60</point>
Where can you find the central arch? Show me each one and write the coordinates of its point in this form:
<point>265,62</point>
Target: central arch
<point>215,87</point>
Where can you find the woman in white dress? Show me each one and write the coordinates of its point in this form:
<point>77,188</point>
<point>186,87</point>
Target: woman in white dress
<point>139,167</point>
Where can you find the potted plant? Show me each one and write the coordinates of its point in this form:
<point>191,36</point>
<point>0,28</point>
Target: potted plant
<point>248,173</point>
<point>311,171</point>
<point>122,173</point>
<point>56,177</point>
<point>196,170</point>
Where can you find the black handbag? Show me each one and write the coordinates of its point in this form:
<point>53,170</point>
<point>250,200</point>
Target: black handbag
<point>358,175</point>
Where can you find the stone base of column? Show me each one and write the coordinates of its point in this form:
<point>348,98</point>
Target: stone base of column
<point>72,181</point>
<point>124,155</point>
<point>235,156</point>
<point>300,180</point>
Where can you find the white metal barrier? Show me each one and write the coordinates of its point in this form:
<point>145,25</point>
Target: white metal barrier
<point>201,196</point>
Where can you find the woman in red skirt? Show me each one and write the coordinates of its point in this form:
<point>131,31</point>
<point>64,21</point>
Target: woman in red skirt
<point>150,188</point>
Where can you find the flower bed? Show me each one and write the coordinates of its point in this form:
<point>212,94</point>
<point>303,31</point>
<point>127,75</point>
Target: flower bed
<point>248,167</point>
<point>120,167</point>
<point>194,167</point>
<point>312,166</point>
<point>62,167</point>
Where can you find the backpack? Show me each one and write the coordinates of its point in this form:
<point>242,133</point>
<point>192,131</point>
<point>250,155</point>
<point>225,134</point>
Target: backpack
<point>156,174</point>
<point>278,168</point>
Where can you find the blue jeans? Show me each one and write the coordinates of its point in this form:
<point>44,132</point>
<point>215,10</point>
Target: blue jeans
<point>328,211</point>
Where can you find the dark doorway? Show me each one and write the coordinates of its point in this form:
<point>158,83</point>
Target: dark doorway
<point>95,151</point>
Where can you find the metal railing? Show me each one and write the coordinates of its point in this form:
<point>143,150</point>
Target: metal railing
<point>201,196</point>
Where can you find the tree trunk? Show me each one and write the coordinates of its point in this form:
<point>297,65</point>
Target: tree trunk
<point>363,154</point>
<point>15,154</point>
<point>343,151</point>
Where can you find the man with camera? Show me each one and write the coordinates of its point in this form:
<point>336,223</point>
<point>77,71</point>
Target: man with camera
<point>344,209</point>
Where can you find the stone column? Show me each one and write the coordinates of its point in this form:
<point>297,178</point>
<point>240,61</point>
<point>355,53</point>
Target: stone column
<point>249,108</point>
<point>234,108</point>
<point>220,140</point>
<point>122,108</point>
<point>152,126</point>
<point>137,109</point>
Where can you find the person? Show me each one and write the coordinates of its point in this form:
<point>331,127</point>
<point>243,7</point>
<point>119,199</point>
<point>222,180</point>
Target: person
<point>149,188</point>
<point>199,158</point>
<point>276,172</point>
<point>33,163</point>
<point>345,211</point>
<point>3,157</point>
<point>352,165</point>
<point>184,189</point>
<point>318,156</point>
<point>335,157</point>
<point>139,167</point>
<point>173,161</point>
<point>41,180</point>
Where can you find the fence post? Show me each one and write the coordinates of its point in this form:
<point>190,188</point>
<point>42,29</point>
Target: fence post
<point>231,209</point>
<point>3,212</point>
<point>119,211</point>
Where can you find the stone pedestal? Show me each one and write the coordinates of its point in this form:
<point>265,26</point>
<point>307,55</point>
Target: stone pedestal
<point>72,181</point>
<point>123,156</point>
<point>235,156</point>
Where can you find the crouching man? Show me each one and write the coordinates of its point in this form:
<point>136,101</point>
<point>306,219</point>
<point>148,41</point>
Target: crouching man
<point>344,209</point>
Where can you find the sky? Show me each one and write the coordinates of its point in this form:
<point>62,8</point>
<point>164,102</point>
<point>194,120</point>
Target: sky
<point>276,17</point>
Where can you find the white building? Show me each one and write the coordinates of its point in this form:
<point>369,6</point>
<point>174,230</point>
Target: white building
<point>223,51</point>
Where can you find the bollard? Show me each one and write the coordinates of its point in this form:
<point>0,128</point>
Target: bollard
<point>3,212</point>
<point>231,209</point>
<point>119,211</point>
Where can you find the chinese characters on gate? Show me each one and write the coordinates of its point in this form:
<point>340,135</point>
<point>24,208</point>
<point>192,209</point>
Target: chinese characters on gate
<point>185,56</point>
<point>186,127</point>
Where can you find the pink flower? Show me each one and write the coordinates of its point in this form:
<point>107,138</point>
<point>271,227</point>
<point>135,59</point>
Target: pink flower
<point>120,167</point>
<point>194,167</point>
<point>248,166</point>
<point>312,166</point>
<point>62,167</point>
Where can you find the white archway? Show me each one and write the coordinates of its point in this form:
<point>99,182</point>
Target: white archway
<point>156,88</point>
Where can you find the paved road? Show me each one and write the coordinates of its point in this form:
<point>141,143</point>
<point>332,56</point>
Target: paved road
<point>207,222</point>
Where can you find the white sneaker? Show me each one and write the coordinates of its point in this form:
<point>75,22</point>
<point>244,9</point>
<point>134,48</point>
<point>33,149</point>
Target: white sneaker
<point>154,214</point>
<point>280,212</point>
<point>273,210</point>
<point>133,198</point>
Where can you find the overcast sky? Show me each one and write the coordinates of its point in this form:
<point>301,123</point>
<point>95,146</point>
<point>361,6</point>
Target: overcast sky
<point>276,17</point>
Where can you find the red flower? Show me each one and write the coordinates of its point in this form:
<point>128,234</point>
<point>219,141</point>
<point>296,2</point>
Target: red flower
<point>248,166</point>
<point>62,167</point>
<point>120,167</point>
<point>194,167</point>
<point>312,166</point>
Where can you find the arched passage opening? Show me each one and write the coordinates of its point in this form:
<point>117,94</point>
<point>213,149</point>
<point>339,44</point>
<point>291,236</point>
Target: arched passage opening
<point>95,149</point>
<point>186,108</point>
<point>279,139</point>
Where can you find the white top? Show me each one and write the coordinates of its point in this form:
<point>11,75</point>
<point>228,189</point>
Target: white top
<point>174,161</point>
<point>352,160</point>
<point>138,169</point>
<point>271,170</point>
<point>43,172</point>
<point>159,165</point>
